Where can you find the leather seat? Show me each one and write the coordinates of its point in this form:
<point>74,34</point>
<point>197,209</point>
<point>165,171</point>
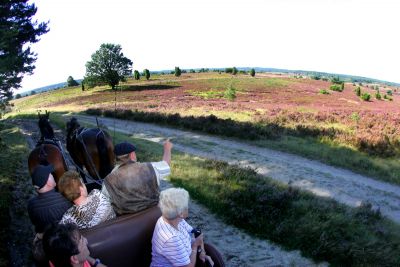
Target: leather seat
<point>126,240</point>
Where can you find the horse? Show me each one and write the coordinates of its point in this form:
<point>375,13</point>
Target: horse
<point>92,148</point>
<point>48,150</point>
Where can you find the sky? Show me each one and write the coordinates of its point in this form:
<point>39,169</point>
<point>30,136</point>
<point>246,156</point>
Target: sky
<point>355,37</point>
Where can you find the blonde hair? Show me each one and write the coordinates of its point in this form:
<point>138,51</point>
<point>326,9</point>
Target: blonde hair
<point>173,202</point>
<point>69,184</point>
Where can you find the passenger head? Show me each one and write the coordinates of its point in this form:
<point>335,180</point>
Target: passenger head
<point>125,151</point>
<point>71,186</point>
<point>174,203</point>
<point>64,245</point>
<point>42,179</point>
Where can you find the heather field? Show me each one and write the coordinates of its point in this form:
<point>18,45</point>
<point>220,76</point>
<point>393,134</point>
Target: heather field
<point>288,106</point>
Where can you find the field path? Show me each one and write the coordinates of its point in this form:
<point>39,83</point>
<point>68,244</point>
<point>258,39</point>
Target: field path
<point>323,180</point>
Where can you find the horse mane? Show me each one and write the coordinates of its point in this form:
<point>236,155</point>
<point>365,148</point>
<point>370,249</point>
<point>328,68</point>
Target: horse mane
<point>72,125</point>
<point>45,128</point>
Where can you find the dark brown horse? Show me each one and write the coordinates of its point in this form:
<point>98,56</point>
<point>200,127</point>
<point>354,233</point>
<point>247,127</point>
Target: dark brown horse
<point>48,150</point>
<point>92,148</point>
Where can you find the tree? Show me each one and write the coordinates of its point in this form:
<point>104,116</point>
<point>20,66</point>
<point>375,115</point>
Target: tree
<point>177,71</point>
<point>33,92</point>
<point>146,73</point>
<point>18,96</point>
<point>17,33</point>
<point>253,72</point>
<point>71,82</point>
<point>136,75</point>
<point>108,65</point>
<point>234,70</point>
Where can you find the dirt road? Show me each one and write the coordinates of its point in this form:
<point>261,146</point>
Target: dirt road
<point>238,248</point>
<point>323,180</point>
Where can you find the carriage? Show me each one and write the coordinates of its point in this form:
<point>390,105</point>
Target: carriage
<point>125,240</point>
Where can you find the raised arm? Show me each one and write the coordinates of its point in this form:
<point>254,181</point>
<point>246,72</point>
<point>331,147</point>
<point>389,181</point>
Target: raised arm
<point>167,151</point>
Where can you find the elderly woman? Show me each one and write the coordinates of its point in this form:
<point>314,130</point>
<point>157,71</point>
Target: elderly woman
<point>173,243</point>
<point>88,209</point>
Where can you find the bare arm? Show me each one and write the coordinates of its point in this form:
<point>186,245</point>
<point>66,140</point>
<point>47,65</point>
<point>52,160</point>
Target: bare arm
<point>167,151</point>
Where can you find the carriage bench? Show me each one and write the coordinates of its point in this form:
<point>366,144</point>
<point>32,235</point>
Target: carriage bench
<point>126,240</point>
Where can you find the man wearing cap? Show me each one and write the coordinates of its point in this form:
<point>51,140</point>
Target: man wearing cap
<point>47,207</point>
<point>134,186</point>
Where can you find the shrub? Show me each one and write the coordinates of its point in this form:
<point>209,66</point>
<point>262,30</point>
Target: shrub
<point>234,70</point>
<point>336,80</point>
<point>146,73</point>
<point>228,70</point>
<point>252,72</point>
<point>230,92</point>
<point>316,77</point>
<point>378,96</point>
<point>177,72</point>
<point>358,91</point>
<point>389,92</point>
<point>336,87</point>
<point>323,92</point>
<point>136,74</point>
<point>365,96</point>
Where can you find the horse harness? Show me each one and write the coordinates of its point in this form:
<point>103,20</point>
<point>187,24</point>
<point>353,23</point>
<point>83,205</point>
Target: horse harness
<point>54,142</point>
<point>79,136</point>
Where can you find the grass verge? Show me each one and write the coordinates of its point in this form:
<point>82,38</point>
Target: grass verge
<point>13,147</point>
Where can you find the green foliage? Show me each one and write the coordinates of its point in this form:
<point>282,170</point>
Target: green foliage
<point>323,92</point>
<point>336,87</point>
<point>136,75</point>
<point>388,98</point>
<point>230,92</point>
<point>355,117</point>
<point>177,72</point>
<point>99,68</point>
<point>14,152</point>
<point>18,31</point>
<point>358,91</point>
<point>33,92</point>
<point>389,92</point>
<point>228,70</point>
<point>321,228</point>
<point>18,96</point>
<point>146,73</point>
<point>336,80</point>
<point>316,77</point>
<point>378,95</point>
<point>365,96</point>
<point>234,70</point>
<point>71,82</point>
<point>252,72</point>
<point>192,71</point>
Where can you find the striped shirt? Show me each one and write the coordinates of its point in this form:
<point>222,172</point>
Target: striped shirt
<point>171,247</point>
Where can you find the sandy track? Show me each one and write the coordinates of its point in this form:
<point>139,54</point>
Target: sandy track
<point>323,180</point>
<point>238,248</point>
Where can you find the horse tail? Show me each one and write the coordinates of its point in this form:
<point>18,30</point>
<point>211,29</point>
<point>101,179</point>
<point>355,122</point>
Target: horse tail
<point>106,162</point>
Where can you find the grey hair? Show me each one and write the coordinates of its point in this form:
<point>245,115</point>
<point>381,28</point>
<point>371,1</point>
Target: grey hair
<point>173,202</point>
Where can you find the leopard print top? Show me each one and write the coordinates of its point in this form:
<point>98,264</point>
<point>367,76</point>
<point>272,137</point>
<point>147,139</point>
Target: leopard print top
<point>98,209</point>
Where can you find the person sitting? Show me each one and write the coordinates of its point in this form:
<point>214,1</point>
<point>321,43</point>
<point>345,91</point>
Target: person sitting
<point>47,207</point>
<point>172,243</point>
<point>88,209</point>
<point>134,186</point>
<point>65,246</point>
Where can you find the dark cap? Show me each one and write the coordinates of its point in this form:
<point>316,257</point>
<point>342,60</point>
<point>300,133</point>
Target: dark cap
<point>40,175</point>
<point>124,148</point>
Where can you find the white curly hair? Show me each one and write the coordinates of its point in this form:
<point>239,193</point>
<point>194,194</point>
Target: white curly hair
<point>173,202</point>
